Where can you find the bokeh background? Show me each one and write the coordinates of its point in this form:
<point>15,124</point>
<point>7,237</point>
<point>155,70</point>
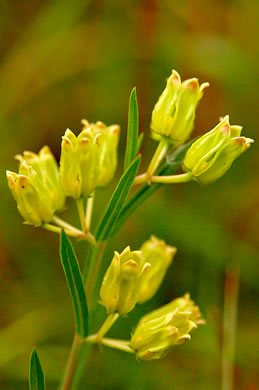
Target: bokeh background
<point>64,60</point>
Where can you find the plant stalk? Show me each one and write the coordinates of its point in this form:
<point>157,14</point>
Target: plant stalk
<point>71,364</point>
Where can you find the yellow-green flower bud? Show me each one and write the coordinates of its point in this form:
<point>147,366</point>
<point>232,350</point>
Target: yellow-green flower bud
<point>36,187</point>
<point>122,280</point>
<point>159,256</point>
<point>174,113</point>
<point>89,160</point>
<point>159,331</point>
<point>213,154</point>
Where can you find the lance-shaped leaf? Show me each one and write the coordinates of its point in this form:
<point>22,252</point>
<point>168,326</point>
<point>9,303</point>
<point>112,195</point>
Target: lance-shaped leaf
<point>174,162</point>
<point>117,200</point>
<point>75,284</point>
<point>36,376</point>
<point>132,133</point>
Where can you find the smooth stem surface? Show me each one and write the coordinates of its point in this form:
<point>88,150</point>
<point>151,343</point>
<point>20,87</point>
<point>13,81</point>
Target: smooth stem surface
<point>155,162</point>
<point>71,364</point>
<point>110,320</point>
<point>122,345</point>
<point>182,178</point>
<point>81,213</point>
<point>157,157</point>
<point>56,229</point>
<point>65,225</point>
<point>89,211</point>
<point>93,273</point>
<point>229,327</point>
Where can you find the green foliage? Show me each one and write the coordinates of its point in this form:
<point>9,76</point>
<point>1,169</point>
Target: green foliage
<point>75,284</point>
<point>132,134</point>
<point>117,201</point>
<point>36,376</point>
<point>174,162</point>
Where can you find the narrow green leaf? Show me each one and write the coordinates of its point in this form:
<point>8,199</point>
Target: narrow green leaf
<point>36,376</point>
<point>117,200</point>
<point>175,160</point>
<point>75,284</point>
<point>140,139</point>
<point>132,133</point>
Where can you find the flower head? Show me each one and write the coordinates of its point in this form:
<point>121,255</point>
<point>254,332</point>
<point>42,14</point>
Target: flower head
<point>36,188</point>
<point>89,160</point>
<point>213,154</point>
<point>159,256</point>
<point>159,331</point>
<point>122,280</point>
<point>174,113</point>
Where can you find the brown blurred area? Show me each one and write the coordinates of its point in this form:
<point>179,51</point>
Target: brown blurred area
<point>64,60</point>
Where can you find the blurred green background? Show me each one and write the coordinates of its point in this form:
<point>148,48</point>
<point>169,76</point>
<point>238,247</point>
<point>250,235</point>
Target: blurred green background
<point>65,60</point>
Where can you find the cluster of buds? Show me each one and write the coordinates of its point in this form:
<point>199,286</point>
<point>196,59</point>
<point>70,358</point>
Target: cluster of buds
<point>213,154</point>
<point>159,256</point>
<point>134,277</point>
<point>89,160</point>
<point>159,331</point>
<point>174,113</point>
<point>36,188</point>
<point>122,280</point>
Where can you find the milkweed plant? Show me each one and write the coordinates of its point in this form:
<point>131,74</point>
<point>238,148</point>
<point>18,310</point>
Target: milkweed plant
<point>88,161</point>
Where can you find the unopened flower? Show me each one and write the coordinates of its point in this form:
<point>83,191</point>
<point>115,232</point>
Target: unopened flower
<point>174,113</point>
<point>159,256</point>
<point>213,154</point>
<point>159,331</point>
<point>89,160</point>
<point>36,188</point>
<point>122,280</point>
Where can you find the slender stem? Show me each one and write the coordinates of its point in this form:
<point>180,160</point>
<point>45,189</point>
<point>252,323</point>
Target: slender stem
<point>93,273</point>
<point>81,213</point>
<point>110,320</point>
<point>157,157</point>
<point>89,211</point>
<point>229,326</point>
<point>56,229</point>
<point>154,163</point>
<point>182,178</point>
<point>122,345</point>
<point>71,363</point>
<point>65,225</point>
<point>74,232</point>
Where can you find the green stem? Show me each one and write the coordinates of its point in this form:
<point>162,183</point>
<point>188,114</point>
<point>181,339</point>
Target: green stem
<point>65,225</point>
<point>229,327</point>
<point>81,213</point>
<point>89,211</point>
<point>93,273</point>
<point>157,157</point>
<point>110,320</point>
<point>183,178</point>
<point>155,162</point>
<point>74,232</point>
<point>71,363</point>
<point>122,345</point>
<point>56,229</point>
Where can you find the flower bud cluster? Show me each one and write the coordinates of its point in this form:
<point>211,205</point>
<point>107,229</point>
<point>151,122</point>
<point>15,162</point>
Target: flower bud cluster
<point>159,331</point>
<point>212,155</point>
<point>36,188</point>
<point>89,160</point>
<point>159,256</point>
<point>174,113</point>
<point>134,277</point>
